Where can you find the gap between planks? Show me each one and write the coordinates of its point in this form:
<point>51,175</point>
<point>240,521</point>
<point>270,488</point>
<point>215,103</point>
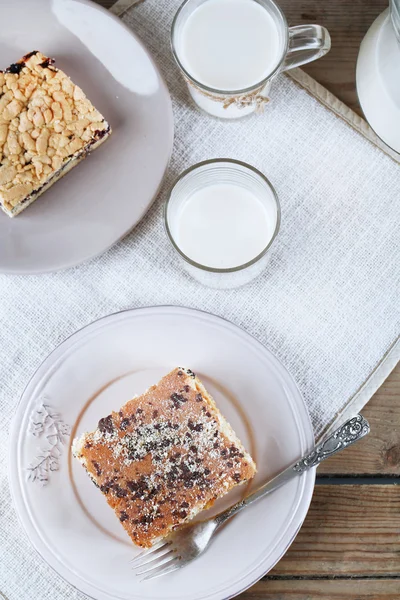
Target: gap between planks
<point>350,531</point>
<point>349,589</point>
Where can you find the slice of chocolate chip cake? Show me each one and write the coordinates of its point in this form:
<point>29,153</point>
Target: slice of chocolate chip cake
<point>164,457</point>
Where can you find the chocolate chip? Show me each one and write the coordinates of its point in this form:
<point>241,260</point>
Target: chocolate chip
<point>97,467</point>
<point>155,414</point>
<point>105,488</point>
<point>133,485</point>
<point>178,400</point>
<point>119,491</point>
<point>183,514</point>
<point>216,445</point>
<point>229,464</point>
<point>190,373</point>
<point>195,427</point>
<point>106,425</point>
<point>193,448</point>
<point>199,398</point>
<point>198,460</point>
<point>185,505</point>
<point>100,133</point>
<point>236,477</point>
<point>187,388</point>
<point>208,414</point>
<point>88,445</point>
<point>146,520</point>
<point>139,411</point>
<point>180,373</point>
<point>15,68</point>
<point>123,516</point>
<point>207,471</point>
<point>124,424</point>
<point>224,452</point>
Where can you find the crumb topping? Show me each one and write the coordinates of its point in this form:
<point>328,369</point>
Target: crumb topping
<point>45,119</point>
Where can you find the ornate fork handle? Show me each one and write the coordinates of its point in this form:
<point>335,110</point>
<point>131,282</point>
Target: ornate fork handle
<point>346,435</point>
<point>352,431</point>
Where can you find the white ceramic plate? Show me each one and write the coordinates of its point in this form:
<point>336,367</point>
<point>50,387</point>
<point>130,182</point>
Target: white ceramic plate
<point>104,197</point>
<point>378,80</point>
<point>98,369</point>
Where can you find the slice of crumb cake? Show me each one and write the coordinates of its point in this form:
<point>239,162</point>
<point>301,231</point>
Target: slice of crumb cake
<point>164,457</point>
<point>47,126</point>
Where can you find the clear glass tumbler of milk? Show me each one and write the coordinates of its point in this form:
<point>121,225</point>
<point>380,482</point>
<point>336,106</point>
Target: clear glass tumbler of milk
<point>229,51</point>
<point>221,217</point>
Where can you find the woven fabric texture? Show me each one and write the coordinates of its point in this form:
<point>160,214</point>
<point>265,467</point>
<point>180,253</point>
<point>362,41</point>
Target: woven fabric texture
<point>327,305</point>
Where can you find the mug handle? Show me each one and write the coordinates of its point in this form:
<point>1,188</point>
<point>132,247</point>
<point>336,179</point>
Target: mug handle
<point>306,43</point>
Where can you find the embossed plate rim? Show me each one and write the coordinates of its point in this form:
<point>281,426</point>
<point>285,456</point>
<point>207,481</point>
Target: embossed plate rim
<point>306,484</point>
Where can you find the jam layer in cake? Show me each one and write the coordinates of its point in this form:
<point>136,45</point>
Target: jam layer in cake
<point>164,457</point>
<point>47,126</point>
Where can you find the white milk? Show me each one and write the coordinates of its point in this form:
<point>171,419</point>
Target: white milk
<point>230,44</point>
<point>224,226</point>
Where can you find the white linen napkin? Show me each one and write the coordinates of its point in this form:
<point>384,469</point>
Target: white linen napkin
<point>327,305</point>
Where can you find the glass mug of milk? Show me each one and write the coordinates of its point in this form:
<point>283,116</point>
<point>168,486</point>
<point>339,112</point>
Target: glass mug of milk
<point>230,50</point>
<point>222,217</point>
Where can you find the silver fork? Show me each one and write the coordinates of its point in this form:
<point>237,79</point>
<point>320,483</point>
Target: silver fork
<point>187,543</point>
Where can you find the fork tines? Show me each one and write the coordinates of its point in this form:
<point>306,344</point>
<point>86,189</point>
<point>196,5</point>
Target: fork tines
<point>157,561</point>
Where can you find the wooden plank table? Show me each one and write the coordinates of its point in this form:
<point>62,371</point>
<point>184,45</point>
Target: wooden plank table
<point>349,545</point>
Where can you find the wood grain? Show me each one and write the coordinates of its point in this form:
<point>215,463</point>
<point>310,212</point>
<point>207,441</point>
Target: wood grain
<point>350,530</point>
<point>347,22</point>
<point>339,589</point>
<point>379,452</point>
